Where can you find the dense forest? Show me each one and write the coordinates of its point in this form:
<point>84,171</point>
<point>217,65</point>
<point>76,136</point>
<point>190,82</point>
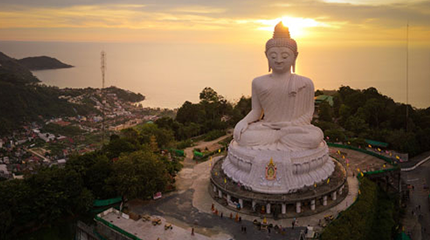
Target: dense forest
<point>211,117</point>
<point>372,217</point>
<point>23,104</point>
<point>13,72</point>
<point>366,114</point>
<point>356,115</point>
<point>131,166</point>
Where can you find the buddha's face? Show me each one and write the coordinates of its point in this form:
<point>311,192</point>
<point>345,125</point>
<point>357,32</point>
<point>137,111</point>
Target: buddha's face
<point>280,59</point>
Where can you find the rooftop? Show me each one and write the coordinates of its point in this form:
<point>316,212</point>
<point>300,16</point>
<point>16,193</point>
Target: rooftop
<point>141,229</point>
<point>321,98</point>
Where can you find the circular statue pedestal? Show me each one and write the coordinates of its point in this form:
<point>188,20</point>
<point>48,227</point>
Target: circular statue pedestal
<point>304,201</point>
<point>277,172</point>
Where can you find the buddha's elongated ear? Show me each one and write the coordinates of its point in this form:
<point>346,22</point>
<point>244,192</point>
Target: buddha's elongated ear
<point>294,64</point>
<point>268,62</point>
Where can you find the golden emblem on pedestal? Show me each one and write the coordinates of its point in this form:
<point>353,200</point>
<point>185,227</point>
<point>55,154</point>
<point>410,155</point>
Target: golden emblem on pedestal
<point>271,170</point>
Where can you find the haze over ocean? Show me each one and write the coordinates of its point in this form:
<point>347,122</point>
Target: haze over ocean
<point>170,74</point>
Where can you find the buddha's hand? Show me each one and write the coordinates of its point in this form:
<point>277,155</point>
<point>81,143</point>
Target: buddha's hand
<point>239,129</point>
<point>294,129</point>
<point>277,126</point>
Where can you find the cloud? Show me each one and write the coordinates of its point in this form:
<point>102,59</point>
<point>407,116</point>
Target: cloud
<point>371,2</point>
<point>198,10</point>
<point>342,19</point>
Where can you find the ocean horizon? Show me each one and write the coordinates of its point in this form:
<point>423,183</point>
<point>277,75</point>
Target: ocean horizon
<point>170,74</point>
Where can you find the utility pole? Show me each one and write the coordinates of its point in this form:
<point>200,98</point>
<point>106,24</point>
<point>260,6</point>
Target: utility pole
<point>103,68</point>
<point>407,76</point>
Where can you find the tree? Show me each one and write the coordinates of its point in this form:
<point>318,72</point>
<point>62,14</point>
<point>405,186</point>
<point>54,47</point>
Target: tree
<point>189,112</point>
<point>131,135</point>
<point>16,200</point>
<point>375,110</point>
<point>209,95</point>
<point>164,137</point>
<point>94,168</point>
<point>139,174</point>
<point>95,178</point>
<point>335,135</point>
<point>113,137</point>
<point>56,192</point>
<point>241,109</point>
<point>423,137</point>
<point>319,92</point>
<point>344,113</point>
<point>188,131</point>
<point>166,123</point>
<point>153,144</point>
<point>325,112</point>
<point>356,222</point>
<point>118,146</point>
<point>356,125</point>
<point>404,141</point>
<point>337,102</point>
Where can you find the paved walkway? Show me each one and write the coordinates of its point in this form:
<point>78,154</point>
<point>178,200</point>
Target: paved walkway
<point>416,162</point>
<point>211,146</point>
<point>190,206</point>
<point>203,201</point>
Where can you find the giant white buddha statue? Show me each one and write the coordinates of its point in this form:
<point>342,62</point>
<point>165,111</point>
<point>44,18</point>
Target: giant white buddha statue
<point>275,148</point>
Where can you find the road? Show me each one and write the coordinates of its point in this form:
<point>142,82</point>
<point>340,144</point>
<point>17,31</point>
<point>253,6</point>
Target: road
<point>418,213</point>
<point>212,145</point>
<point>190,205</point>
<point>39,155</point>
<point>183,207</point>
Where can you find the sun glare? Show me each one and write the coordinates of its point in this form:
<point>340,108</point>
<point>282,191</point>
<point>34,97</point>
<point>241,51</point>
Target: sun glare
<point>297,26</point>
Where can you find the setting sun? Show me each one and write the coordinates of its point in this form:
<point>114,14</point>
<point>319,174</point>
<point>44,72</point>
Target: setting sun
<point>296,25</point>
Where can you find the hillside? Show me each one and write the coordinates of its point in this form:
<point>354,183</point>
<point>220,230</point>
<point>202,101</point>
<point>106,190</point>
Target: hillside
<point>42,63</point>
<point>23,103</point>
<point>12,71</point>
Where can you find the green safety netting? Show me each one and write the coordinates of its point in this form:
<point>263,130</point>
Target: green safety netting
<point>322,98</point>
<point>376,143</point>
<point>402,236</point>
<point>198,154</point>
<point>178,152</point>
<point>105,202</point>
<point>379,171</point>
<point>131,236</point>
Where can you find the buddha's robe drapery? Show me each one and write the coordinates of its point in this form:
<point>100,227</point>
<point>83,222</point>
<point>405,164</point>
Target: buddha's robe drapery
<point>288,107</point>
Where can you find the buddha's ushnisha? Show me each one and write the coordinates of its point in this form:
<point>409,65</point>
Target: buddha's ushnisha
<point>282,103</point>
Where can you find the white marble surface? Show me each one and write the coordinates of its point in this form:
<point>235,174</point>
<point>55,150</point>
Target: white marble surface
<point>279,127</point>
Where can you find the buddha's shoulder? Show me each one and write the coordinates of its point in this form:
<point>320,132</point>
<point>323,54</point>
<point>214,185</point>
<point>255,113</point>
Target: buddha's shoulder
<point>299,78</point>
<point>304,80</point>
<point>262,78</point>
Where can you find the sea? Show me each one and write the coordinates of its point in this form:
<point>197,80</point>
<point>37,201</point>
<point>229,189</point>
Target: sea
<point>168,74</point>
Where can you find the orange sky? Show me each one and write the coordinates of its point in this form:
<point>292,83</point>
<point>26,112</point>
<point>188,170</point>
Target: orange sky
<point>219,21</point>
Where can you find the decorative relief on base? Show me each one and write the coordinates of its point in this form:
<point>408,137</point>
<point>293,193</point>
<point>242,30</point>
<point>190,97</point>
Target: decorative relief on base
<point>271,170</point>
<point>285,173</point>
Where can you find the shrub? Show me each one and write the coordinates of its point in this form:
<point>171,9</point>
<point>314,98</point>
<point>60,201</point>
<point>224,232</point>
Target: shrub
<point>214,134</point>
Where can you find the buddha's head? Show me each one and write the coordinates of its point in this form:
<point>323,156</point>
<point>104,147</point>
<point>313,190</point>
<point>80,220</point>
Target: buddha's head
<point>281,50</point>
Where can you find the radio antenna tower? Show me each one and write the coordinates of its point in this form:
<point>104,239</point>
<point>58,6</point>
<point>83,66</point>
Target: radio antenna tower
<point>407,76</point>
<point>103,68</point>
